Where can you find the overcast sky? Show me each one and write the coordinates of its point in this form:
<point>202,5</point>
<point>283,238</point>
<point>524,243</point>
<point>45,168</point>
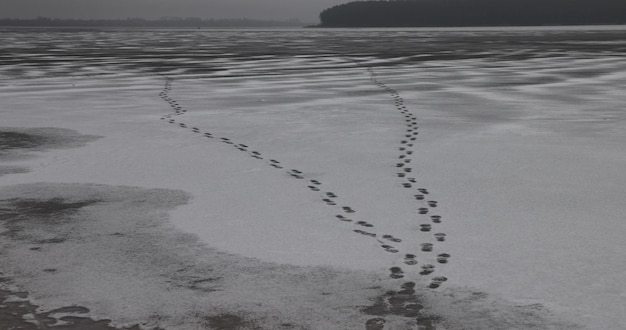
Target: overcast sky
<point>305,10</point>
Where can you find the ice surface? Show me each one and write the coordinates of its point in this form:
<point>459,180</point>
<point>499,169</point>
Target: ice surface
<point>520,147</point>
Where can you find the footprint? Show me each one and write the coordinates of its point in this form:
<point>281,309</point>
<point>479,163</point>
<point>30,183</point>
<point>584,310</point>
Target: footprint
<point>399,164</point>
<point>364,233</point>
<point>401,175</point>
<point>274,161</point>
<point>276,165</point>
<point>437,281</point>
<point>297,176</point>
<point>426,247</point>
<point>440,279</point>
<point>364,224</point>
<point>329,201</point>
<point>396,272</point>
<point>435,218</point>
<point>182,125</point>
<point>314,188</point>
<point>342,218</point>
<point>315,182</point>
<point>389,248</point>
<point>348,209</point>
<point>408,169</point>
<point>432,203</point>
<point>195,130</point>
<point>443,258</point>
<point>425,227</point>
<point>256,153</point>
<point>419,197</point>
<point>413,180</point>
<point>209,135</point>
<point>427,269</point>
<point>423,191</point>
<point>331,195</point>
<point>391,238</point>
<point>409,259</point>
<point>407,185</point>
<point>440,237</point>
<point>423,210</point>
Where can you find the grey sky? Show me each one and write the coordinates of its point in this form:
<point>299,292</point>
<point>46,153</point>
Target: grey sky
<point>305,10</point>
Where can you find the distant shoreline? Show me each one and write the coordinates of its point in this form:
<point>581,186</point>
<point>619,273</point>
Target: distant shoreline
<point>479,27</point>
<point>463,13</point>
<point>599,25</point>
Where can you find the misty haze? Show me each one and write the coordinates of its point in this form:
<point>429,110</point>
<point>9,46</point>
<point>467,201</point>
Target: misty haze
<point>306,11</point>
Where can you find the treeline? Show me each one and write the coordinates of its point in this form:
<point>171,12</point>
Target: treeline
<point>173,22</point>
<point>410,13</point>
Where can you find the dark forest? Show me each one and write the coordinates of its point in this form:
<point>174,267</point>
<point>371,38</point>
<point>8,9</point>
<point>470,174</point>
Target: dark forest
<point>407,13</point>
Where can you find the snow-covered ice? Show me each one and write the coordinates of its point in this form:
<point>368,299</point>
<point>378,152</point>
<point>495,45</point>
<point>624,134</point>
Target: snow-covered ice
<point>289,179</point>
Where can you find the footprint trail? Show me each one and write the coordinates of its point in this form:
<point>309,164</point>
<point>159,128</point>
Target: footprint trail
<point>403,302</point>
<point>425,205</point>
<point>176,116</point>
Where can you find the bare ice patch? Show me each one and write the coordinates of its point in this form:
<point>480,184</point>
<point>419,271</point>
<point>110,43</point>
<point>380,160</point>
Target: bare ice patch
<point>4,170</point>
<point>17,312</point>
<point>105,257</point>
<point>111,250</point>
<point>17,142</point>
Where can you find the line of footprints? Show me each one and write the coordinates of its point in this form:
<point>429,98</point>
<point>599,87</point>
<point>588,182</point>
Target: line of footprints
<point>420,194</point>
<point>347,213</point>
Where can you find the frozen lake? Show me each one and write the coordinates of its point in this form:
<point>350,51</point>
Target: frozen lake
<point>313,178</point>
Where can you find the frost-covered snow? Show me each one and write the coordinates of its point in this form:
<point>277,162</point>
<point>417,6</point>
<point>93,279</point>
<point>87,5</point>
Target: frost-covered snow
<point>186,142</point>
